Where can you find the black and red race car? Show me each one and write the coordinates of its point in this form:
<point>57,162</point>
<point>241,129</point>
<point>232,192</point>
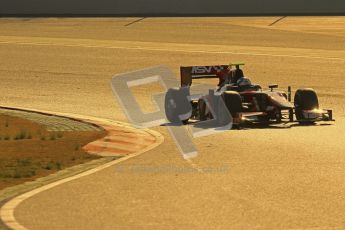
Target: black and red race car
<point>246,104</point>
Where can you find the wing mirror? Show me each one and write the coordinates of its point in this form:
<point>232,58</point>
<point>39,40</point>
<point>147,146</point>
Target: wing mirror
<point>273,87</point>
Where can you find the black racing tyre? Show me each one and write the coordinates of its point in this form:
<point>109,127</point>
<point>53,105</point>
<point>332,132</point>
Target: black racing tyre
<point>202,110</point>
<point>170,106</point>
<point>233,102</point>
<point>177,105</point>
<point>262,100</point>
<point>305,99</point>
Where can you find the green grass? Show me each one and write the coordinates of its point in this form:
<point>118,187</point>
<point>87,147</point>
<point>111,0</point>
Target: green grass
<point>52,137</point>
<point>21,168</point>
<point>52,165</point>
<point>24,162</point>
<point>59,135</point>
<point>21,135</point>
<point>24,172</point>
<point>58,165</point>
<point>48,166</point>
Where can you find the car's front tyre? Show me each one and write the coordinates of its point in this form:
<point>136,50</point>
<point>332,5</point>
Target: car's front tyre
<point>305,99</point>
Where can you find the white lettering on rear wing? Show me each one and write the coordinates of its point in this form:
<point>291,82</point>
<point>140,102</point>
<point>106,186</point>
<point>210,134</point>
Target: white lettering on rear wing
<point>196,72</point>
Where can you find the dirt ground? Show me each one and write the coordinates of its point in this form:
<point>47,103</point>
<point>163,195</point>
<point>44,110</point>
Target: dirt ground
<point>28,151</point>
<point>290,177</point>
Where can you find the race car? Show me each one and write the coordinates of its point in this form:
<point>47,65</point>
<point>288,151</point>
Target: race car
<point>247,103</point>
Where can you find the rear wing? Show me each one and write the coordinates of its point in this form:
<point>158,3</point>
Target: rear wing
<point>188,73</point>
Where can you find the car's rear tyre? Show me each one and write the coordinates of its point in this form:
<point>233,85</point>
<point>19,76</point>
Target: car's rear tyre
<point>305,99</point>
<point>233,102</point>
<point>177,106</point>
<point>202,110</point>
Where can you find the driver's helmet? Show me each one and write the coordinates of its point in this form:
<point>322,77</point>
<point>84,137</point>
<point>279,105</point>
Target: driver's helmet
<point>243,81</point>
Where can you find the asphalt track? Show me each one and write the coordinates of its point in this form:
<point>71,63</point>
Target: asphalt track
<point>285,177</point>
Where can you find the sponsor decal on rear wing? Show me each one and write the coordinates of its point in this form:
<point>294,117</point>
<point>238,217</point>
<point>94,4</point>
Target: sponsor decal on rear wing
<point>188,73</point>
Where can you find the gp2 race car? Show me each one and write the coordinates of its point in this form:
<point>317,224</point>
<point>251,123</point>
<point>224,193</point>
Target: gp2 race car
<point>249,104</point>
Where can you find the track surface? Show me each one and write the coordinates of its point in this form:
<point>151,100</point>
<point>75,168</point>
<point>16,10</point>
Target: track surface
<point>275,178</point>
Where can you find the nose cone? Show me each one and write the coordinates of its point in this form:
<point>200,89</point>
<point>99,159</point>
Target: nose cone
<point>280,100</point>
